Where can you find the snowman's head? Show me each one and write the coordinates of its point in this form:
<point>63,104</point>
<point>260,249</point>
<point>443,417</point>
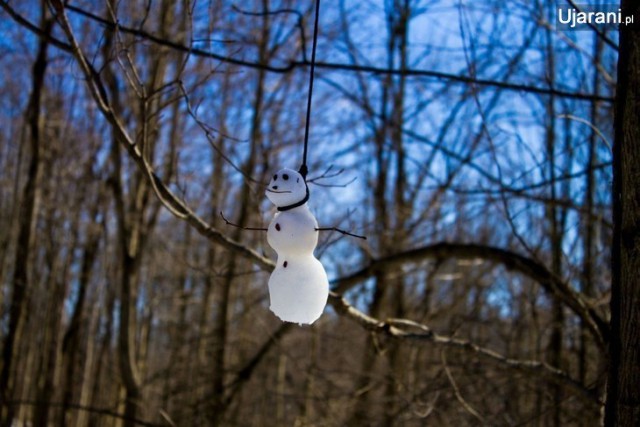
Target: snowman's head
<point>287,187</point>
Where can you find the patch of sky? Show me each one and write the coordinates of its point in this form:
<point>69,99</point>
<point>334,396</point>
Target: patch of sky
<point>362,295</point>
<point>502,293</point>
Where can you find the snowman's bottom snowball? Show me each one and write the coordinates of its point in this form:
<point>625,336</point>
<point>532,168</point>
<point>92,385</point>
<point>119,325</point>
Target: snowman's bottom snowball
<point>299,291</point>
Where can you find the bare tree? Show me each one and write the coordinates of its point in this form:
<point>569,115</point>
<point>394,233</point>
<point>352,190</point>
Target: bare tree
<point>623,407</point>
<point>27,219</point>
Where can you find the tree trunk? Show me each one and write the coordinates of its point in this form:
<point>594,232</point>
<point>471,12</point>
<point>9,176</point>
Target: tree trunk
<point>589,220</point>
<point>128,249</point>
<point>623,394</point>
<point>71,339</point>
<point>28,217</point>
<point>221,404</point>
<point>553,213</point>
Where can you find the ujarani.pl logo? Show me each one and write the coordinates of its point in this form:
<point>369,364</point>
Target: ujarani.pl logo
<point>586,16</point>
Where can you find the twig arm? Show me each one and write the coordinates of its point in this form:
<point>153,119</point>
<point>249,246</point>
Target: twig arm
<point>240,226</point>
<point>346,233</point>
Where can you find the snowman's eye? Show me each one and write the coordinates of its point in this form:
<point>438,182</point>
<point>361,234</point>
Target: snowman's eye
<point>285,177</point>
<point>275,177</point>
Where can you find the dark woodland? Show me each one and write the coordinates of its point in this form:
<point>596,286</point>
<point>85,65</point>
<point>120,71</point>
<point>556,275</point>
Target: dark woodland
<point>491,159</point>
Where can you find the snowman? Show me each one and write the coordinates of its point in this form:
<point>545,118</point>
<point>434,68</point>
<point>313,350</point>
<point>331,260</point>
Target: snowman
<point>298,287</point>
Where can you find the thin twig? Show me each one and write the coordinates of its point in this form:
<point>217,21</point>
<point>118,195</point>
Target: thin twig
<point>591,125</point>
<point>595,28</point>
<point>346,233</point>
<point>456,391</point>
<point>327,175</point>
<point>299,23</point>
<point>208,130</point>
<point>241,226</point>
<point>346,184</point>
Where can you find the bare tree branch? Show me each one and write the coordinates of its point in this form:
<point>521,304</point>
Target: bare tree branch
<point>426,335</point>
<point>291,65</point>
<point>456,391</point>
<point>169,199</point>
<point>511,260</point>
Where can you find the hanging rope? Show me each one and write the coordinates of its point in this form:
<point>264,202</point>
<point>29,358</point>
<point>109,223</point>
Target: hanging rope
<point>303,169</point>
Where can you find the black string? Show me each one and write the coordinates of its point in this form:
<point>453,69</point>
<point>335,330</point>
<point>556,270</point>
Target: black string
<point>303,169</point>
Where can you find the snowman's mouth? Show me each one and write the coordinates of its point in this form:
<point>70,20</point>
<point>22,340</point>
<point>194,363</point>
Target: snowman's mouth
<point>278,192</point>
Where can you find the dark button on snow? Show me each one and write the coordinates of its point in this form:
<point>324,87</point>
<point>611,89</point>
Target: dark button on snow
<point>285,264</point>
<point>277,226</point>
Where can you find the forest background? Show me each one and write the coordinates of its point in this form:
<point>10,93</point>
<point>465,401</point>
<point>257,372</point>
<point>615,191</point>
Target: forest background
<point>471,142</point>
